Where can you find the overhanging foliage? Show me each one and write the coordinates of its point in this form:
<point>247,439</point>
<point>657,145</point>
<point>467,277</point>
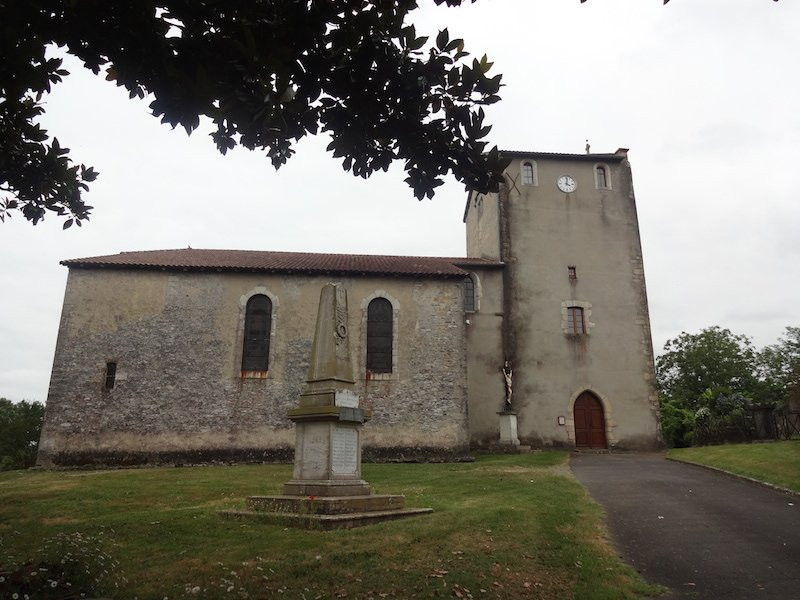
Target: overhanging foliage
<point>266,73</point>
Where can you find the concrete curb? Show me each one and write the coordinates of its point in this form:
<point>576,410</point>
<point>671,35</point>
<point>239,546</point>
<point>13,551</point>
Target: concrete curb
<point>735,475</point>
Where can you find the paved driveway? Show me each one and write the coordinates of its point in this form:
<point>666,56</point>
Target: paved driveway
<point>703,534</point>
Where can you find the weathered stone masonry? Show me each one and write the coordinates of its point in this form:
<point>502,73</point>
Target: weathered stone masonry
<point>179,395</point>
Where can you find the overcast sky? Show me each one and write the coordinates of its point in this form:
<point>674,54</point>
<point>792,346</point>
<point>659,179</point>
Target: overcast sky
<point>705,93</point>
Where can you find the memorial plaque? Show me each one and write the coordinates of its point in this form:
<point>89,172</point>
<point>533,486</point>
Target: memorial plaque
<point>346,398</point>
<point>344,451</point>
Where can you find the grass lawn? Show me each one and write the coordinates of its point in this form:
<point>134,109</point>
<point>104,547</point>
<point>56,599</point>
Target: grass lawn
<point>774,462</point>
<point>503,527</point>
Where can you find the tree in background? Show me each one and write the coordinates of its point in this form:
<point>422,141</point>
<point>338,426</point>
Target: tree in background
<point>714,359</point>
<point>779,370</point>
<point>706,382</point>
<point>709,381</point>
<point>266,74</point>
<point>20,425</point>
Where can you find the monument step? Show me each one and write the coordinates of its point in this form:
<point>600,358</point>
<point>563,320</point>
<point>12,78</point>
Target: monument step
<point>319,521</point>
<point>326,505</point>
<point>326,488</point>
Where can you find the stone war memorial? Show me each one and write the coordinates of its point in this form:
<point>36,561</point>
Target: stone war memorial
<point>326,489</point>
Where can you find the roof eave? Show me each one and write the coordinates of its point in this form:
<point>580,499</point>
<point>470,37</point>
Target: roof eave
<point>276,270</point>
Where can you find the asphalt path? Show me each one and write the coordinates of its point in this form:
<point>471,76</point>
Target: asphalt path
<point>705,535</point>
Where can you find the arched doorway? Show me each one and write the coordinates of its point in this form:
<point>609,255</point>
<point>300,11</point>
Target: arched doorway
<point>590,422</point>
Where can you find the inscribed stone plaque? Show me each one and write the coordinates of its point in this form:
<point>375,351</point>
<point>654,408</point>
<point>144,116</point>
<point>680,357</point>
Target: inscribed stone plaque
<point>344,451</point>
<point>346,398</point>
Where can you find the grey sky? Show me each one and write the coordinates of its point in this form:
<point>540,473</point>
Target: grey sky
<point>703,92</point>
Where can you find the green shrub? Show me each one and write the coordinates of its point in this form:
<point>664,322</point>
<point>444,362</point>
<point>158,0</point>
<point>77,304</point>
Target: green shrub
<point>20,425</point>
<point>677,425</point>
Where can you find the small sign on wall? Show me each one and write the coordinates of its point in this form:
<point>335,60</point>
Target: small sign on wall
<point>562,420</point>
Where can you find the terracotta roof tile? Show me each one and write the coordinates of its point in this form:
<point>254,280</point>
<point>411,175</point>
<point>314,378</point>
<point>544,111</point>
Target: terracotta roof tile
<point>190,259</point>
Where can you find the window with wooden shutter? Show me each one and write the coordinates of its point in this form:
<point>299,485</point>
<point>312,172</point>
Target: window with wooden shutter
<point>379,336</point>
<point>257,326</point>
<point>575,322</point>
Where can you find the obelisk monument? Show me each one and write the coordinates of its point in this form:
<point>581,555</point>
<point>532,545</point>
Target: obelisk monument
<point>328,420</point>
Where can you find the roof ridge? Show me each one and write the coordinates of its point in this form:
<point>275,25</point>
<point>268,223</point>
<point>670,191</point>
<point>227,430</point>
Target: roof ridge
<point>290,252</point>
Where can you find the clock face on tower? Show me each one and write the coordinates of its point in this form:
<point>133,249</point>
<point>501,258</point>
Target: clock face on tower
<point>567,184</point>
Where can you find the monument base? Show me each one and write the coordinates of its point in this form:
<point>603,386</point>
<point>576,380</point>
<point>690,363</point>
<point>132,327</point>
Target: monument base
<point>508,428</point>
<point>341,512</point>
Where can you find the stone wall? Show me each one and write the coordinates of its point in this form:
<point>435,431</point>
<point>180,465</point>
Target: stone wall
<point>179,395</point>
<point>485,357</point>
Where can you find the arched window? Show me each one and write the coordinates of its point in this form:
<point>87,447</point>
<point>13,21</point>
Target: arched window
<point>575,322</point>
<point>469,294</point>
<point>379,336</point>
<point>528,173</point>
<point>601,177</point>
<point>257,326</point>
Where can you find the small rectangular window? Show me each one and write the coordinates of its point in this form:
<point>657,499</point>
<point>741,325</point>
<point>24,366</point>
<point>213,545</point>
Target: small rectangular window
<point>575,323</point>
<point>111,375</point>
<point>573,273</point>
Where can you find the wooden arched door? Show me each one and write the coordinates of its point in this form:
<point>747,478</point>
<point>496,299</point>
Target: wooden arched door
<point>590,422</point>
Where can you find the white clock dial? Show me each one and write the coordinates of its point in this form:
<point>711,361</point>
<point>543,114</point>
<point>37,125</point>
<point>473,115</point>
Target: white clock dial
<point>567,184</point>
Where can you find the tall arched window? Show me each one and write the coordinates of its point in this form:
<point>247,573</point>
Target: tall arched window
<point>257,326</point>
<point>469,294</point>
<point>379,336</point>
<point>528,173</point>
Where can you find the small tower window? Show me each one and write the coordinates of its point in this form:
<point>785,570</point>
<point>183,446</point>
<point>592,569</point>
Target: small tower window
<point>601,177</point>
<point>575,322</point>
<point>111,375</point>
<point>528,173</point>
<point>469,295</point>
<point>573,273</point>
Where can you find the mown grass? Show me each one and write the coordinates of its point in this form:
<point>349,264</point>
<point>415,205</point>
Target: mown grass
<point>775,462</point>
<point>503,527</point>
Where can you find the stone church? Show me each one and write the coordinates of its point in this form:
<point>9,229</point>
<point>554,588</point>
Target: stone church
<point>187,356</point>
